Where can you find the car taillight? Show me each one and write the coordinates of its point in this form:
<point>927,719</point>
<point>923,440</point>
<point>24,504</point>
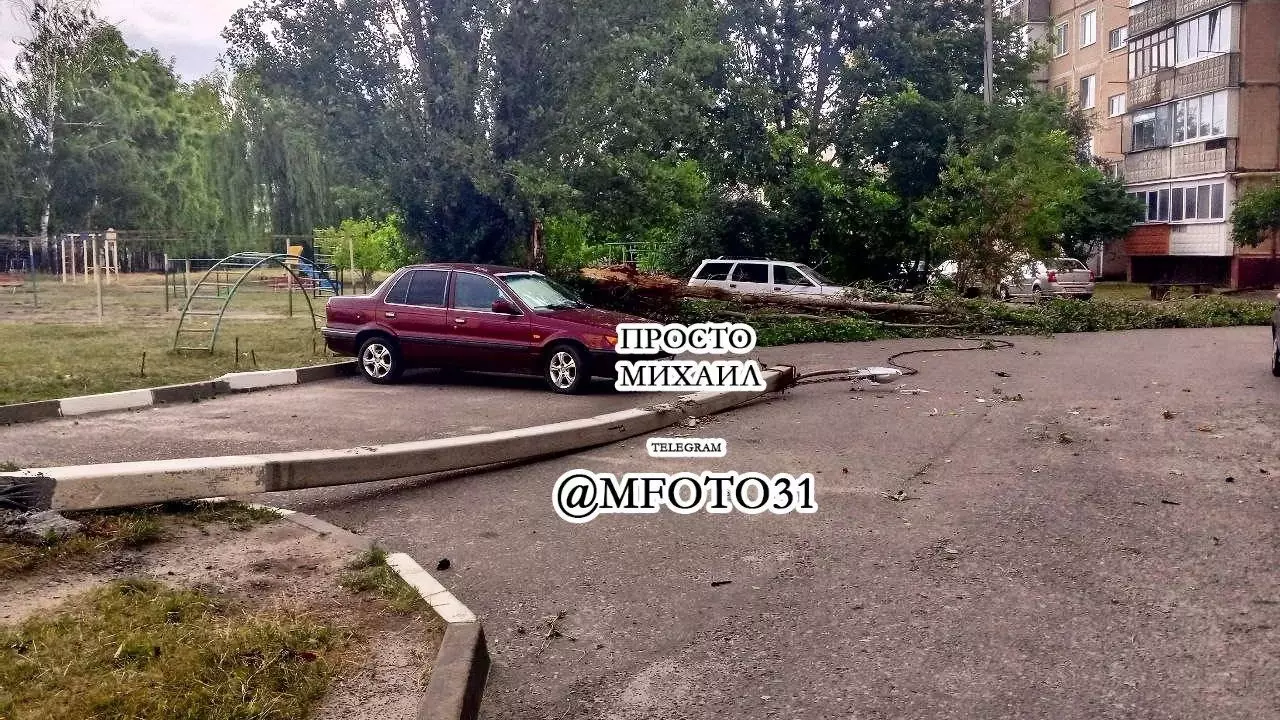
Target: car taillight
<point>1053,276</point>
<point>1091,276</point>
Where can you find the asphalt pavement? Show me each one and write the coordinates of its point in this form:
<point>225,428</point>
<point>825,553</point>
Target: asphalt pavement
<point>342,413</point>
<point>1087,528</point>
<point>1083,526</point>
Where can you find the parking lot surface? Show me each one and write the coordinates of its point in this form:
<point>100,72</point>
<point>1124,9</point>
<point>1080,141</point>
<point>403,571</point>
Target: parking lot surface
<point>1085,527</point>
<point>343,413</point>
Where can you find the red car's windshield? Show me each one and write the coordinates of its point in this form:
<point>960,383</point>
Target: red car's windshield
<point>539,293</point>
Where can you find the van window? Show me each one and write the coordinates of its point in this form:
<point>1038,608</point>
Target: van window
<point>714,271</point>
<point>787,275</point>
<point>751,273</point>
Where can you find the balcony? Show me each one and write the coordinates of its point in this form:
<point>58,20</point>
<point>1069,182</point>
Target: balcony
<point>1146,166</point>
<point>1153,89</point>
<point>1151,16</point>
<point>1206,158</point>
<point>1021,12</point>
<point>1188,8</point>
<point>1158,14</point>
<point>1216,73</point>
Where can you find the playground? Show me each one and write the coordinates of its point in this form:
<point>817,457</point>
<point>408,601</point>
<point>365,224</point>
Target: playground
<point>82,328</point>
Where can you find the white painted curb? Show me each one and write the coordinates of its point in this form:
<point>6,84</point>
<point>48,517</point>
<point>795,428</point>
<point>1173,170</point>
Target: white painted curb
<point>125,400</point>
<point>448,607</point>
<point>167,394</point>
<point>260,379</point>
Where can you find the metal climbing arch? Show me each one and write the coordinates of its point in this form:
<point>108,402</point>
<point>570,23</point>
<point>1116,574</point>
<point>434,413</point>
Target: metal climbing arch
<point>207,302</point>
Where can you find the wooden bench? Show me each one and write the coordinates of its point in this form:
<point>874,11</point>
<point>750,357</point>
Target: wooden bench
<point>1160,291</point>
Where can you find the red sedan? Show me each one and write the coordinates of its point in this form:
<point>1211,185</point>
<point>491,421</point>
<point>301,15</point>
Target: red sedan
<point>475,317</point>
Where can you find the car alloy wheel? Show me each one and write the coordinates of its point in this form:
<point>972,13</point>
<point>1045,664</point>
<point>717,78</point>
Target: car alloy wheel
<point>565,371</point>
<point>1037,295</point>
<point>379,360</point>
<point>1004,293</point>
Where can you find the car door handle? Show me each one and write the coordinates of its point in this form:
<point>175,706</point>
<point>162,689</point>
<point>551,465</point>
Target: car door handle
<point>733,284</point>
<point>777,289</point>
<point>390,314</point>
<point>460,321</point>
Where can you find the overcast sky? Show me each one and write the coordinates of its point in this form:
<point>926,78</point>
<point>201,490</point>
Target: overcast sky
<point>188,31</point>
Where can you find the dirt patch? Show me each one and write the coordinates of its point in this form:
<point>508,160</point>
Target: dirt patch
<point>278,567</point>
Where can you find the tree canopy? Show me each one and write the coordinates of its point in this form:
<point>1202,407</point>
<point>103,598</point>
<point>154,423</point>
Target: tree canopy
<point>849,134</point>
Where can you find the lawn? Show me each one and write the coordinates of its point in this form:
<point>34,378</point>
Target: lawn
<point>137,648</point>
<point>52,344</point>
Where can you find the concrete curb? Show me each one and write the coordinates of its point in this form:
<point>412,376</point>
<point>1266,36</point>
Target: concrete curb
<point>91,487</point>
<point>461,669</point>
<point>168,394</point>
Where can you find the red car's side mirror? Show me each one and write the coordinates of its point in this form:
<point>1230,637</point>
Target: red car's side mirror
<point>504,307</point>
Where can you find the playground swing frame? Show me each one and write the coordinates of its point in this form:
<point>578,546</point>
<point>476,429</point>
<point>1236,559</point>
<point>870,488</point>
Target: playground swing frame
<point>261,260</point>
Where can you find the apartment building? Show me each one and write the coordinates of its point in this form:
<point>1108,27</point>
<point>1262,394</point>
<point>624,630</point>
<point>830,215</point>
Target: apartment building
<point>1186,96</point>
<point>1203,125</point>
<point>1087,42</point>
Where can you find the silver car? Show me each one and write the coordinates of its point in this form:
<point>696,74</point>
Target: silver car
<point>1055,277</point>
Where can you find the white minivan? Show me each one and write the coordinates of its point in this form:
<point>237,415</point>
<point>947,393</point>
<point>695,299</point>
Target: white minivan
<point>762,276</point>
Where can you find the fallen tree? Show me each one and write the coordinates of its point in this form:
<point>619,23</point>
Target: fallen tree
<point>624,281</point>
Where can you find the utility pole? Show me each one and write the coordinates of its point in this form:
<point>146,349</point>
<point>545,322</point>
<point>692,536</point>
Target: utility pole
<point>988,61</point>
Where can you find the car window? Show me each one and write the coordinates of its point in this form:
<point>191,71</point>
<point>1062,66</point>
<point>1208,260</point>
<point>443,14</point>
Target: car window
<point>751,273</point>
<point>427,288</point>
<point>714,271</point>
<point>474,292</point>
<point>787,275</point>
<point>1068,265</point>
<point>540,293</point>
<point>817,275</point>
<point>400,291</point>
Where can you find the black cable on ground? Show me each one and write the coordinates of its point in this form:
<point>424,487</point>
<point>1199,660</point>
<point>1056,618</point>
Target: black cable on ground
<point>987,344</point>
<point>846,374</point>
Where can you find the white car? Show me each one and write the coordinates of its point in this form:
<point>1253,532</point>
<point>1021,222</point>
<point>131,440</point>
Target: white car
<point>762,276</point>
<point>1054,277</point>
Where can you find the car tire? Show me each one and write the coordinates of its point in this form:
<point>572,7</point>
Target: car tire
<point>1003,293</point>
<point>1037,295</point>
<point>564,370</point>
<point>1087,296</point>
<point>1275,355</point>
<point>379,360</point>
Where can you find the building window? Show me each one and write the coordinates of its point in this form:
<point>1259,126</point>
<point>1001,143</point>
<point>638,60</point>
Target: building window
<point>1088,84</point>
<point>1197,202</point>
<point>1060,90</point>
<point>1200,118</point>
<point>1150,129</point>
<point>1117,38</point>
<point>1151,53</point>
<point>1060,40</point>
<point>1115,105</point>
<point>1205,36</point>
<point>1089,28</point>
<point>1157,204</point>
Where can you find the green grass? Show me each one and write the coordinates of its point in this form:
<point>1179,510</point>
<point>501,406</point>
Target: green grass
<point>116,530</point>
<point>44,362</point>
<point>138,649</point>
<point>58,348</point>
<point>370,573</point>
